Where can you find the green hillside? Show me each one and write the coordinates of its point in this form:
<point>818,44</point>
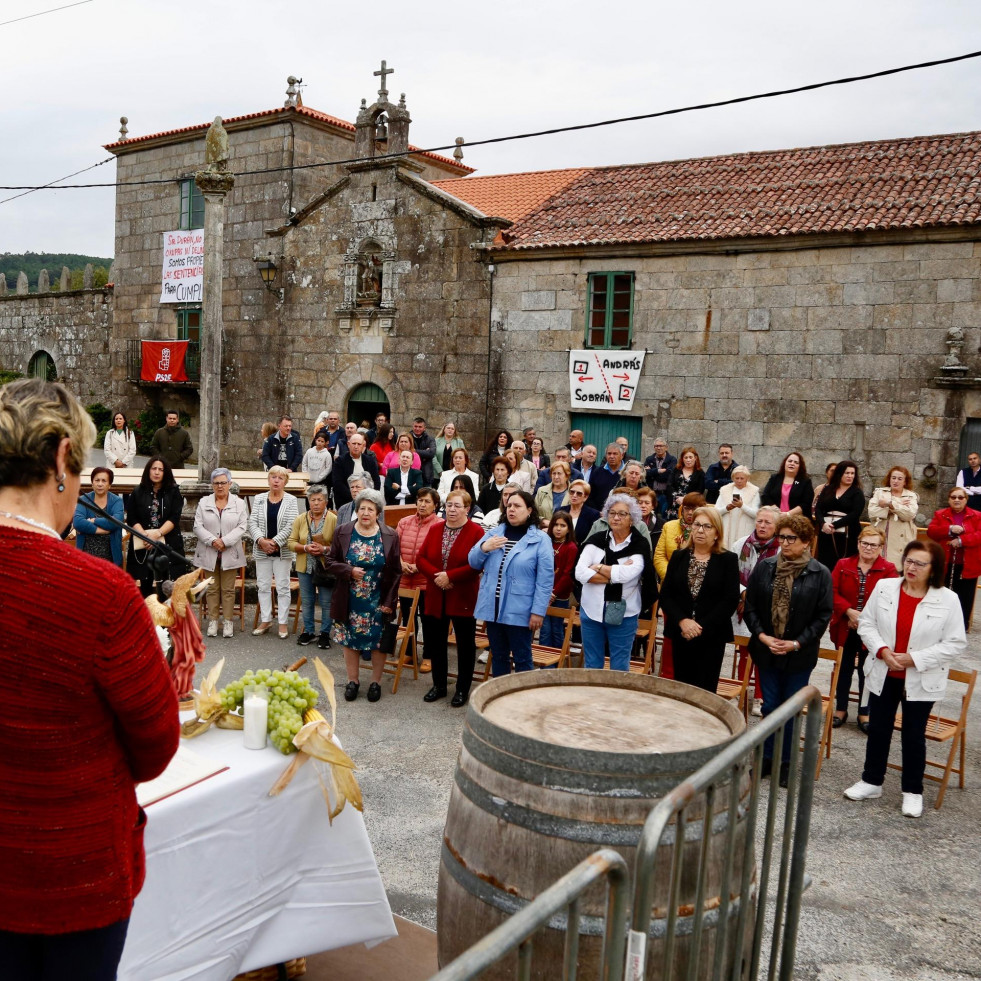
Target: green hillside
<point>11,264</point>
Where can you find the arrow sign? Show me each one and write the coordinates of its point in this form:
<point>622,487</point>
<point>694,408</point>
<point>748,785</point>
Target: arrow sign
<point>589,378</point>
<point>604,380</point>
<point>623,377</point>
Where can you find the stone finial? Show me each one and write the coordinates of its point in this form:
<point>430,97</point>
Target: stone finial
<point>43,281</point>
<point>402,101</point>
<point>87,276</point>
<point>23,286</point>
<point>3,285</point>
<point>383,72</point>
<point>955,343</point>
<point>293,96</point>
<point>65,281</point>
<point>123,129</point>
<point>458,152</point>
<point>216,147</point>
<point>112,272</point>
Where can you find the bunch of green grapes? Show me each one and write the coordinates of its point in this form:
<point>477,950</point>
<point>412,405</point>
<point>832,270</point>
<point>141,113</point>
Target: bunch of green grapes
<point>290,695</point>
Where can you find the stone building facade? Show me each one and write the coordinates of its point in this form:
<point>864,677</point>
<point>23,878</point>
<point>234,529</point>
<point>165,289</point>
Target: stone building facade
<point>825,299</point>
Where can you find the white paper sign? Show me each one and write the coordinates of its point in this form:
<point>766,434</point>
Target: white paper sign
<point>183,267</point>
<point>604,379</point>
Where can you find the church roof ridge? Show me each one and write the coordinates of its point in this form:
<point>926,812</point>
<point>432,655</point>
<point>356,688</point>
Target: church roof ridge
<point>237,121</point>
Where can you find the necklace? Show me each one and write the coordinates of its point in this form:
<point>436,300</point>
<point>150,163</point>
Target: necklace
<point>30,521</point>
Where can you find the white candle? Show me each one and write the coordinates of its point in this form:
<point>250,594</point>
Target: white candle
<point>256,718</point>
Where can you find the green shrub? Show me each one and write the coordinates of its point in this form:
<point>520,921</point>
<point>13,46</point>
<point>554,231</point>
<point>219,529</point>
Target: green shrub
<point>102,417</point>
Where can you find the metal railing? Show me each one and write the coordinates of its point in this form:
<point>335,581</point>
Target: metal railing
<point>733,775</point>
<point>562,897</point>
<point>134,362</point>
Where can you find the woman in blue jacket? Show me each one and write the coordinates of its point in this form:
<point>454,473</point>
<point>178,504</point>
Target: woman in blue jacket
<point>97,535</point>
<point>518,570</point>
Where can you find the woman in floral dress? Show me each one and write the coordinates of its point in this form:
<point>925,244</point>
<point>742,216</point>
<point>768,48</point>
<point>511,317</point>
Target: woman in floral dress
<point>364,556</point>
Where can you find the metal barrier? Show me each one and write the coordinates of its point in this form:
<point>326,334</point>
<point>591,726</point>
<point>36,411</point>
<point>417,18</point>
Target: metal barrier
<point>624,956</point>
<point>730,768</point>
<point>557,906</point>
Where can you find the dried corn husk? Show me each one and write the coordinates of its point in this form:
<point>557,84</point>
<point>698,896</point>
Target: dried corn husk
<point>208,708</point>
<point>315,740</point>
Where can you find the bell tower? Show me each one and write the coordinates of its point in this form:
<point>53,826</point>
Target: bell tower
<point>383,127</point>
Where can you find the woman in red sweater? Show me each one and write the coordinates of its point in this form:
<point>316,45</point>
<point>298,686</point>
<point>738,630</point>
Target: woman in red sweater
<point>852,581</point>
<point>958,529</point>
<point>89,707</point>
<point>566,552</point>
<point>451,595</point>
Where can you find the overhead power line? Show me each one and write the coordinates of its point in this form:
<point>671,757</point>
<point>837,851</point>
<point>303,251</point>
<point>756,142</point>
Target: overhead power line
<point>813,86</point>
<point>41,13</point>
<point>53,184</point>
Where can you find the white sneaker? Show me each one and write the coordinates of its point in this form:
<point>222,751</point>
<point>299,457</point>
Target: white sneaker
<point>228,630</point>
<point>912,805</point>
<point>757,709</point>
<point>863,791</point>
<point>213,628</point>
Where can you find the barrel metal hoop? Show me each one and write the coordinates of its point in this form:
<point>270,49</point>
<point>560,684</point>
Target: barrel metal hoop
<point>573,781</point>
<point>589,926</point>
<point>585,832</point>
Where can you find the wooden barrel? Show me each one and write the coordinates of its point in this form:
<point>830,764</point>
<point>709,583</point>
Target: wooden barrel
<point>555,764</point>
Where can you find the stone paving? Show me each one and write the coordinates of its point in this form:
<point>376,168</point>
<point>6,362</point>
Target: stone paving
<point>891,899</point>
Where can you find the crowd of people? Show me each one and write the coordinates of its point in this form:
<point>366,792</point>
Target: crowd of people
<point>507,532</point>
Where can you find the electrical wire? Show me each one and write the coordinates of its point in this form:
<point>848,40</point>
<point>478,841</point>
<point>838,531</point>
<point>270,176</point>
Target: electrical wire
<point>41,13</point>
<point>58,181</point>
<point>543,132</point>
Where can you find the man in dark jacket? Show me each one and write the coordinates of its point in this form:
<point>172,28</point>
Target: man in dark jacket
<point>658,467</point>
<point>425,447</point>
<point>356,459</point>
<point>172,441</point>
<point>283,448</point>
<point>719,474</point>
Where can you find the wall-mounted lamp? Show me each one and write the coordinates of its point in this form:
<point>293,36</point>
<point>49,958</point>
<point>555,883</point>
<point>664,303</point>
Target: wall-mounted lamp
<point>267,270</point>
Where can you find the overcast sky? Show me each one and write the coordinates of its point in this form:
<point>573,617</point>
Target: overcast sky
<point>475,70</point>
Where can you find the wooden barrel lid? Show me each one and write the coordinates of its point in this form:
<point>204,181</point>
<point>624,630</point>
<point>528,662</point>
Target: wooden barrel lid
<point>607,719</point>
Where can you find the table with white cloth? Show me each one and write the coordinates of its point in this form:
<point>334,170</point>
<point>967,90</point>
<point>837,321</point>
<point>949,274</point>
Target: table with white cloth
<point>237,880</point>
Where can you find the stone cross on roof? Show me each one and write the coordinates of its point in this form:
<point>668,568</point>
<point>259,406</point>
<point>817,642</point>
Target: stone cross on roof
<point>383,91</point>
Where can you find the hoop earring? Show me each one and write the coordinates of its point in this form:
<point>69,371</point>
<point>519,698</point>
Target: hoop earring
<point>61,483</point>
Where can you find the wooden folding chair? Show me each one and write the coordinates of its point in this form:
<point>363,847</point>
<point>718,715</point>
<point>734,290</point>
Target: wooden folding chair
<point>555,657</point>
<point>734,686</point>
<point>940,728</point>
<point>294,601</point>
<point>240,597</point>
<point>827,705</point>
<point>404,642</point>
<point>481,671</point>
<point>646,632</point>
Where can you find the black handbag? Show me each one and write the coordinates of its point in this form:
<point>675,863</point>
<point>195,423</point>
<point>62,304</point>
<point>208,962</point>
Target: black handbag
<point>319,575</point>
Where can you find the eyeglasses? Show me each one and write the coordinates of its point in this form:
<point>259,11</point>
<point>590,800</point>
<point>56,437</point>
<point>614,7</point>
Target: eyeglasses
<point>956,497</point>
<point>869,544</point>
<point>577,493</point>
<point>702,526</point>
<point>913,562</point>
<point>788,539</point>
<point>219,483</point>
<point>619,514</point>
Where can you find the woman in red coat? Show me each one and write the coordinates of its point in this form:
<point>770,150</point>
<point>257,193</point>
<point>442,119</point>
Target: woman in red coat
<point>958,529</point>
<point>89,708</point>
<point>852,582</point>
<point>563,534</point>
<point>451,594</point>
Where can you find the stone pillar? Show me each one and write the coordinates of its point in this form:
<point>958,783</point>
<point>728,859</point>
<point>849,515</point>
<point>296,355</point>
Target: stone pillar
<point>214,182</point>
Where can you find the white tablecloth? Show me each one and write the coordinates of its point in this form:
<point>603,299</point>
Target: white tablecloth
<point>238,880</point>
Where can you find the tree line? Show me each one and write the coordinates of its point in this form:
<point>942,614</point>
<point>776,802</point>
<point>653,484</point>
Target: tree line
<point>31,263</point>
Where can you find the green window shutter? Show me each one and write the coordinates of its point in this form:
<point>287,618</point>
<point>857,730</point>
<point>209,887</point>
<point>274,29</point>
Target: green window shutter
<point>192,206</point>
<point>610,313</point>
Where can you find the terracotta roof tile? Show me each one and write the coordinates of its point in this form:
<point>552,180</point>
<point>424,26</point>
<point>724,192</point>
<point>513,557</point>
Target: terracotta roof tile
<point>299,110</point>
<point>510,195</point>
<point>918,182</point>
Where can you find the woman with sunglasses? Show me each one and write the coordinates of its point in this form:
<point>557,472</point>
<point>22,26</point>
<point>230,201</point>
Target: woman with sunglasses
<point>853,580</point>
<point>583,516</point>
<point>914,627</point>
<point>957,529</point>
<point>789,602</point>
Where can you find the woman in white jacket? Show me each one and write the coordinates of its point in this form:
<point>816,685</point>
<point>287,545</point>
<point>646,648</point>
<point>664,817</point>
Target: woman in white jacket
<point>120,443</point>
<point>737,505</point>
<point>913,628</point>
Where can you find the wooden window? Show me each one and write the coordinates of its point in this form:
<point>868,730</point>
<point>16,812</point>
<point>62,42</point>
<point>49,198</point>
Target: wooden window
<point>189,324</point>
<point>192,205</point>
<point>609,318</point>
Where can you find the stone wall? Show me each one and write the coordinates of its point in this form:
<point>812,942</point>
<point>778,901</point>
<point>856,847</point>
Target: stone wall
<point>832,351</point>
<point>73,327</point>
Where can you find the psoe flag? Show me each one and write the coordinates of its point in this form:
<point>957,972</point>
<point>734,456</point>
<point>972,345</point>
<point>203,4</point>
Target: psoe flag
<point>163,361</point>
<point>604,379</point>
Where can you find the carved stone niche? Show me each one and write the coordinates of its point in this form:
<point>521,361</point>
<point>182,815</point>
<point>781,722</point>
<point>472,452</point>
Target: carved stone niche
<point>369,287</point>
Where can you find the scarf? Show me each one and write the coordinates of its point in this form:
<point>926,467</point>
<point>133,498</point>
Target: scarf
<point>783,582</point>
<point>682,539</point>
<point>755,550</point>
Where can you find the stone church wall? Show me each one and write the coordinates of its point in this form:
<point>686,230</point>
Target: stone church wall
<point>832,351</point>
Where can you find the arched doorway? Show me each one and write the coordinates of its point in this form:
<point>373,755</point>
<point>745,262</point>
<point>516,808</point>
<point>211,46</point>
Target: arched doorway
<point>365,402</point>
<point>42,366</point>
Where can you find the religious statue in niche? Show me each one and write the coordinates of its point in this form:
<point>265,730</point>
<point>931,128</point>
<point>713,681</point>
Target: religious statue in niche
<point>369,279</point>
